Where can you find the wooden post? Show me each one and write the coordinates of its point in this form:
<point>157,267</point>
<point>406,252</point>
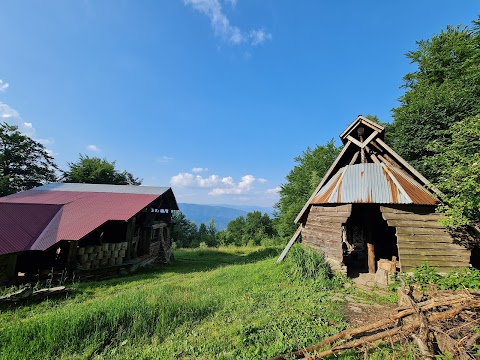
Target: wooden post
<point>371,257</point>
<point>129,237</point>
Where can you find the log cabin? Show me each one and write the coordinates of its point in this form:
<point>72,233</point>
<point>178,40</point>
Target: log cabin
<point>372,205</point>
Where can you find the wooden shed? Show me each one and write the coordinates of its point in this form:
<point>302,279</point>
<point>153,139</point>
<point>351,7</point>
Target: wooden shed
<point>373,205</point>
<point>83,227</point>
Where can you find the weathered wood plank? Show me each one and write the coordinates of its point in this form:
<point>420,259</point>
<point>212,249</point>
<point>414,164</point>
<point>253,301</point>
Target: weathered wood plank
<point>430,253</point>
<point>332,208</point>
<point>431,240</point>
<point>342,214</point>
<point>413,224</point>
<point>420,245</point>
<point>290,244</point>
<point>415,217</point>
<point>441,263</point>
<point>420,231</point>
<point>408,209</point>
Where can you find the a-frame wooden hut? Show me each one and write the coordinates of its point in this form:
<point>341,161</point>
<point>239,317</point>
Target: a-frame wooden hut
<point>373,205</point>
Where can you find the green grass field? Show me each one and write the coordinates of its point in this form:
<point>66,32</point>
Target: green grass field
<point>227,303</point>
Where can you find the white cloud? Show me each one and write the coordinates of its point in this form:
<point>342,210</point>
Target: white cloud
<point>262,180</point>
<point>3,85</point>
<point>218,186</point>
<point>164,159</point>
<point>221,24</point>
<point>199,169</point>
<point>258,37</point>
<point>12,117</point>
<point>274,191</point>
<point>94,148</point>
<point>182,180</point>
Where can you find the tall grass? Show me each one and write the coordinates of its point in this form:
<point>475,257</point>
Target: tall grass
<point>228,303</point>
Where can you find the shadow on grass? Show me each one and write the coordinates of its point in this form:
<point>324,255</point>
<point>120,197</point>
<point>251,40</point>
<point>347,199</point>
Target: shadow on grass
<point>186,261</point>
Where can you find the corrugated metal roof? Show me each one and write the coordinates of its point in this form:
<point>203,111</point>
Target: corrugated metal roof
<point>120,189</point>
<point>373,183</point>
<point>22,224</point>
<point>36,219</point>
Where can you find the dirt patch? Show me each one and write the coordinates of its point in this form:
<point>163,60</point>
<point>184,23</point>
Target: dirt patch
<point>359,314</point>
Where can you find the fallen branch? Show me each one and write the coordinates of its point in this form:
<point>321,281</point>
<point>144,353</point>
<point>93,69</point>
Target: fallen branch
<point>405,329</point>
<point>350,333</point>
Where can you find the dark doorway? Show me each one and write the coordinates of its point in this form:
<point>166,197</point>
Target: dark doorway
<point>366,231</point>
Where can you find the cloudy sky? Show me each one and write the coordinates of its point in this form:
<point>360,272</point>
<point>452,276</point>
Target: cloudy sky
<point>212,97</point>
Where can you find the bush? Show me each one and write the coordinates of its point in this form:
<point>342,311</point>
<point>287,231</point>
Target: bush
<point>310,265</point>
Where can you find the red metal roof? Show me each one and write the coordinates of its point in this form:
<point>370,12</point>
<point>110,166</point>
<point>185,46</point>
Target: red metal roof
<point>37,219</point>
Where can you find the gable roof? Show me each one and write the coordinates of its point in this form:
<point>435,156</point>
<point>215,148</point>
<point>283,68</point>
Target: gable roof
<point>38,218</point>
<point>368,170</point>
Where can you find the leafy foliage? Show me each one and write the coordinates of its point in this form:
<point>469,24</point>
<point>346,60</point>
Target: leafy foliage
<point>185,232</point>
<point>93,170</point>
<point>24,162</point>
<point>443,90</point>
<point>458,166</point>
<point>311,166</point>
<point>253,229</point>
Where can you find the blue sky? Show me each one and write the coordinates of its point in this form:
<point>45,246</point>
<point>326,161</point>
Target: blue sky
<point>212,97</point>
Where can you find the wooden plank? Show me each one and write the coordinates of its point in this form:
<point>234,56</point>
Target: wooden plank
<point>325,224</point>
<point>371,258</point>
<point>461,253</point>
<point>330,219</point>
<point>369,139</point>
<point>438,246</point>
<point>347,208</point>
<point>355,141</point>
<point>340,214</point>
<point>354,158</point>
<point>440,263</point>
<point>410,216</point>
<point>420,231</point>
<point>324,180</point>
<point>425,238</point>
<point>415,224</point>
<point>290,244</point>
<point>408,209</point>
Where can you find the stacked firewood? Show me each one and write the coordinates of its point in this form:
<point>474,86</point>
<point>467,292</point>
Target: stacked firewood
<point>447,323</point>
<point>98,256</point>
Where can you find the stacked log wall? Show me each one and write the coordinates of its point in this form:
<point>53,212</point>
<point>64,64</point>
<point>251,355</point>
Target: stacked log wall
<point>323,231</point>
<point>421,238</point>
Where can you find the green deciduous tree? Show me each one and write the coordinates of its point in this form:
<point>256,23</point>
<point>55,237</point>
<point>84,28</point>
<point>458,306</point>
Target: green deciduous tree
<point>185,232</point>
<point>94,170</point>
<point>253,229</point>
<point>311,166</point>
<point>24,162</point>
<point>443,90</point>
<point>458,166</point>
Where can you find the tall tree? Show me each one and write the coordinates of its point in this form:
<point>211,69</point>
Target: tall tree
<point>443,90</point>
<point>24,162</point>
<point>302,180</point>
<point>94,170</point>
<point>185,232</point>
<point>458,166</point>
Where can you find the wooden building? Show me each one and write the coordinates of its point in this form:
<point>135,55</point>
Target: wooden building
<point>373,205</point>
<point>83,227</point>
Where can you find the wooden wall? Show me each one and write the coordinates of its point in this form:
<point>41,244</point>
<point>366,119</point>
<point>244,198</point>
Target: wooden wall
<point>420,238</point>
<point>323,231</point>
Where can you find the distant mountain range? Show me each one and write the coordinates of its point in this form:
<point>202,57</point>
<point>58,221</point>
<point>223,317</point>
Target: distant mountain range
<point>222,214</point>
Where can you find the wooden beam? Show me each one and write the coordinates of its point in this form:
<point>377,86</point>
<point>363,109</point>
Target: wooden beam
<point>355,141</point>
<point>354,158</point>
<point>324,180</point>
<point>371,258</point>
<point>290,244</point>
<point>370,138</point>
<point>410,168</point>
<point>372,155</point>
<point>129,237</point>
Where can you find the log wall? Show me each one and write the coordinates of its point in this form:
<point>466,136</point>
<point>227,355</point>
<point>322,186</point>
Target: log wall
<point>323,231</point>
<point>421,238</point>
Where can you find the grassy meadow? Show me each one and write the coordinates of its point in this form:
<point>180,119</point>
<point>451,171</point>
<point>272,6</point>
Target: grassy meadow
<point>226,303</point>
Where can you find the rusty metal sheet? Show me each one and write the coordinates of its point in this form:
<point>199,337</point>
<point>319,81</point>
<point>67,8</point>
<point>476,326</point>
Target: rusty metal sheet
<point>372,183</point>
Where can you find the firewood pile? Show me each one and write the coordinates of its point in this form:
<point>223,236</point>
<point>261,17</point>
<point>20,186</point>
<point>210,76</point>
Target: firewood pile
<point>98,256</point>
<point>445,324</point>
